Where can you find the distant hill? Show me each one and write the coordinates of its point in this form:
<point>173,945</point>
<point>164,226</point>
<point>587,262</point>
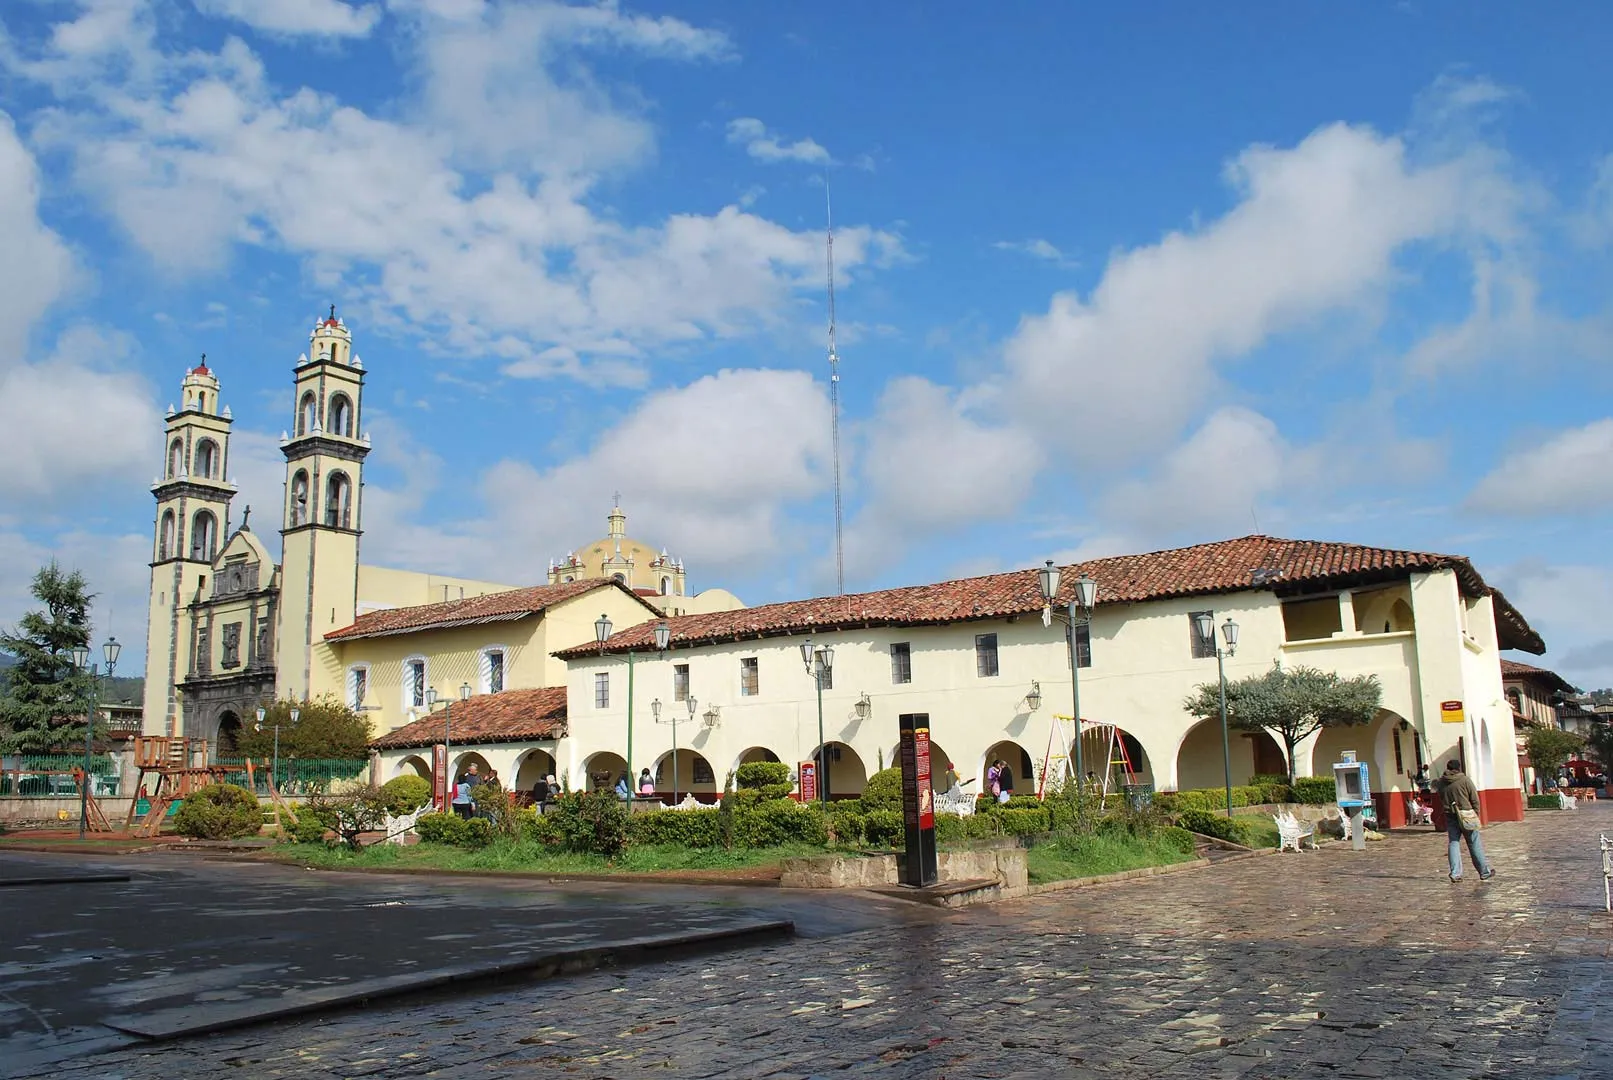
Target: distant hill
<point>119,688</point>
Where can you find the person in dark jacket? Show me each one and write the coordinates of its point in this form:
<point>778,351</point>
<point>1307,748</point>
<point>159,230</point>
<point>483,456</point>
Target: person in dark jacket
<point>1458,794</point>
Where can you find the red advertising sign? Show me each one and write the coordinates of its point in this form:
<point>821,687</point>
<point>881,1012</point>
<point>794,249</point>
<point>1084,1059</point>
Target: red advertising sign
<point>921,763</point>
<point>809,781</point>
<point>439,777</point>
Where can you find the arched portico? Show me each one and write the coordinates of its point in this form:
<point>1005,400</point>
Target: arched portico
<point>464,761</point>
<point>1020,765</point>
<point>1200,762</point>
<point>1113,754</point>
<point>228,736</point>
<point>531,767</point>
<point>600,771</point>
<point>690,772</point>
<point>846,774</point>
<point>413,765</point>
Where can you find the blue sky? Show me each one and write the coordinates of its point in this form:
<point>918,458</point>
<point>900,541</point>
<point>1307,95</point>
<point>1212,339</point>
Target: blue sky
<point>1112,278</point>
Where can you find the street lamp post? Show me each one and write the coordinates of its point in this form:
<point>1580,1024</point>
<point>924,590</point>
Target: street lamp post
<point>663,636</point>
<point>81,660</point>
<point>447,732</point>
<point>820,665</point>
<point>1079,613</point>
<point>274,770</point>
<point>1205,622</point>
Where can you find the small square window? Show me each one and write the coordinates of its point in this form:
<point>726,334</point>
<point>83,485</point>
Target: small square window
<point>901,662</point>
<point>750,677</point>
<point>986,655</point>
<point>602,690</point>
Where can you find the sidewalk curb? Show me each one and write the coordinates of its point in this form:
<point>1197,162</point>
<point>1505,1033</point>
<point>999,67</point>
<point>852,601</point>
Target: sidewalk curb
<point>535,877</point>
<point>1119,875</point>
<point>175,1023</point>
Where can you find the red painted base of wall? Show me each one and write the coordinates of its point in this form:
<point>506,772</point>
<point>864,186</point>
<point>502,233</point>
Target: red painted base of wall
<point>1501,804</point>
<point>1495,804</point>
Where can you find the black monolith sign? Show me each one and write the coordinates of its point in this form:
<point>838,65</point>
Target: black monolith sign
<point>918,802</point>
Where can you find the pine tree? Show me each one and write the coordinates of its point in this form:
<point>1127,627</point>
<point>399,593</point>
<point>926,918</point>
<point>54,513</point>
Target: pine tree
<point>46,698</point>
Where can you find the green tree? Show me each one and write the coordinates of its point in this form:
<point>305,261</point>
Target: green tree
<point>1600,744</point>
<point>1549,748</point>
<point>1295,703</point>
<point>325,728</point>
<point>46,698</point>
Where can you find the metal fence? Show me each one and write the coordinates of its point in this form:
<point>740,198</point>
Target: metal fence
<point>36,776</point>
<point>297,776</point>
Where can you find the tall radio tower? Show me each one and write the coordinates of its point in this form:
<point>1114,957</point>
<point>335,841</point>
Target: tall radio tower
<point>834,394</point>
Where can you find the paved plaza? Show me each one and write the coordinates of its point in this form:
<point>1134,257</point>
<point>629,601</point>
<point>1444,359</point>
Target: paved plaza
<point>1333,963</point>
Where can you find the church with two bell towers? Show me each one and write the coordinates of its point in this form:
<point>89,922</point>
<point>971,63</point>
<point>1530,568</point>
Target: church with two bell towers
<point>229,628</point>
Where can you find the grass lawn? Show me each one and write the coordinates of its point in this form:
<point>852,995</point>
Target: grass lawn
<point>1100,853</point>
<point>1262,830</point>
<point>526,857</point>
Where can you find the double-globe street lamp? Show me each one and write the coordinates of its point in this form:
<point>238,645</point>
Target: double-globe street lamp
<point>274,771</point>
<point>820,665</point>
<point>663,637</point>
<point>1078,613</point>
<point>447,735</point>
<point>81,660</point>
<point>655,710</point>
<point>1205,623</point>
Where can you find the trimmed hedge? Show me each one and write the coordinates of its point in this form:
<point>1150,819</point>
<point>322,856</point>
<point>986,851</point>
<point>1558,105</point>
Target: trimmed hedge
<point>985,804</point>
<point>1315,790</point>
<point>1207,824</point>
<point>1023,821</point>
<point>219,812</point>
<point>761,774</point>
<point>1180,838</point>
<point>1545,802</point>
<point>950,827</point>
<point>455,830</point>
<point>775,823</point>
<point>884,828</point>
<point>405,794</point>
<point>690,828</point>
<point>882,792</point>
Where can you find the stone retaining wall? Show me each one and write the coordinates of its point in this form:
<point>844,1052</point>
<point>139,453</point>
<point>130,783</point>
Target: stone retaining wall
<point>1004,864</point>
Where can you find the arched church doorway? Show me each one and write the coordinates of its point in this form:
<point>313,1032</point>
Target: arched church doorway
<point>229,735</point>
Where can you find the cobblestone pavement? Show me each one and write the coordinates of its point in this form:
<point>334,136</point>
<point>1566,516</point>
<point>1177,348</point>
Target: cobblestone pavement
<point>1333,963</point>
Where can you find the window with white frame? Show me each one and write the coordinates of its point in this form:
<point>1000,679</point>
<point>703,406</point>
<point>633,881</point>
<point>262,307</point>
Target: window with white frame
<point>358,684</point>
<point>492,669</point>
<point>602,690</point>
<point>750,677</point>
<point>986,655</point>
<point>901,662</point>
<point>680,682</point>
<point>414,683</point>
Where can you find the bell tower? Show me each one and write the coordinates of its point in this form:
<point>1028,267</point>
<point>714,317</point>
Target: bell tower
<point>193,512</point>
<point>320,523</point>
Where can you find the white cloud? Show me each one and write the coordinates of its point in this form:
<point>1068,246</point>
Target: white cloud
<point>511,261</point>
<point>931,464</point>
<point>1567,474</point>
<point>1568,604</point>
<point>323,18</point>
<point>114,566</point>
<point>1036,248</point>
<point>770,148</point>
<point>1316,230</point>
<point>35,266</point>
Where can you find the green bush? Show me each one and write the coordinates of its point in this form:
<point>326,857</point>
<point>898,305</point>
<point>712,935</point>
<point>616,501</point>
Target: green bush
<point>537,827</point>
<point>883,791</point>
<point>1544,802</point>
<point>1315,790</point>
<point>985,804</point>
<point>590,822</point>
<point>951,827</point>
<point>1276,791</point>
<point>849,825</point>
<point>1023,821</point>
<point>1261,779</point>
<point>1207,824</point>
<point>782,822</point>
<point>219,812</point>
<point>405,794</point>
<point>1179,837</point>
<point>884,829</point>
<point>455,830</point>
<point>761,774</point>
<point>308,829</point>
<point>688,828</point>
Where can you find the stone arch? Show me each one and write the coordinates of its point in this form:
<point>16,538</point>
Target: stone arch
<point>694,773</point>
<point>1484,776</point>
<point>1199,762</point>
<point>464,761</point>
<point>167,543</point>
<point>844,767</point>
<point>227,737</point>
<point>206,458</point>
<point>307,413</point>
<point>176,458</point>
<point>413,765</point>
<point>297,511</point>
<point>203,536</point>
<point>1020,764</point>
<point>599,771</point>
<point>531,767</point>
<point>339,501</point>
<point>341,415</point>
<point>1364,739</point>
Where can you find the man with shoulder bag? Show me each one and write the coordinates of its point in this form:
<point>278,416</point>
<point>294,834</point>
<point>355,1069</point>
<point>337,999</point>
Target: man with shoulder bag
<point>1461,801</point>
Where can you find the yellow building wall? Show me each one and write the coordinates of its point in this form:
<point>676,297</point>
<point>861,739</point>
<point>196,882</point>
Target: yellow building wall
<point>384,587</point>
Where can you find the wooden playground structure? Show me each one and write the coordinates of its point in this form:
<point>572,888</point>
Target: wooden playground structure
<point>170,762</point>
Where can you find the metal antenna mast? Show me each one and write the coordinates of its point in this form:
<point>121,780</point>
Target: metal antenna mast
<point>834,394</point>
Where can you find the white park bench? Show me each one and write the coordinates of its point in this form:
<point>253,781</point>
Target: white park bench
<point>398,827</point>
<point>1607,871</point>
<point>956,800</point>
<point>1567,801</point>
<point>1290,831</point>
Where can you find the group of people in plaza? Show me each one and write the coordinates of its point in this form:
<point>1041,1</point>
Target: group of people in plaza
<point>463,799</point>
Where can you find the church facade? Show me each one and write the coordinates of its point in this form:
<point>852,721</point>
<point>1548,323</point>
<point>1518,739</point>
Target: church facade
<point>229,628</point>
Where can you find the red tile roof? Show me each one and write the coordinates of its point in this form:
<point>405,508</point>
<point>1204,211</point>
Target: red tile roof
<point>493,607</point>
<point>507,716</point>
<point>1250,562</point>
<point>1511,669</point>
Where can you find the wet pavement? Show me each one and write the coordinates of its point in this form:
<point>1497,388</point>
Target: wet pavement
<point>1331,963</point>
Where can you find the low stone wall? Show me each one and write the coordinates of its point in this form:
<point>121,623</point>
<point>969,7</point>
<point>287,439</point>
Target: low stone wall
<point>47,812</point>
<point>1003,863</point>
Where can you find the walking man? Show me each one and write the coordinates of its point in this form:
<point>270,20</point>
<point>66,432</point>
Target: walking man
<point>1461,801</point>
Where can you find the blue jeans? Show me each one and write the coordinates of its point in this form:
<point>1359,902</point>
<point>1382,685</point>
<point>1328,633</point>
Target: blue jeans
<point>1475,848</point>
